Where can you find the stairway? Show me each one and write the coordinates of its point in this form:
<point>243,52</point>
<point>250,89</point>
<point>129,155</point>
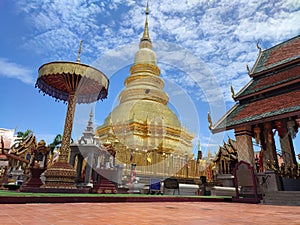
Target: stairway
<point>291,198</point>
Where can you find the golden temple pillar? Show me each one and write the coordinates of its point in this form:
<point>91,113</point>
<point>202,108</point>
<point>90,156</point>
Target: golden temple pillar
<point>244,143</point>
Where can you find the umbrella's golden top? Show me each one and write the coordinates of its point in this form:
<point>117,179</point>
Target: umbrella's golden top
<point>59,79</point>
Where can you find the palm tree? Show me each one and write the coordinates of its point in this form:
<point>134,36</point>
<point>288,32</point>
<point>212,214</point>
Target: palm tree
<point>56,142</point>
<point>21,136</point>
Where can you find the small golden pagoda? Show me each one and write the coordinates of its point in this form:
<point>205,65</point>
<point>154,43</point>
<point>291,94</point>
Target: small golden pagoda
<point>142,128</point>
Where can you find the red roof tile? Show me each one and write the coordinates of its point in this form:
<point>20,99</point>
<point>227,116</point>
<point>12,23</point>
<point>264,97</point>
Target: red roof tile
<point>286,51</point>
<point>278,77</point>
<point>267,105</point>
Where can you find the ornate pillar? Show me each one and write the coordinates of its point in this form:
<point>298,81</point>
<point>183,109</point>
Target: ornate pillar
<point>286,143</point>
<point>269,147</point>
<point>72,158</point>
<point>88,170</point>
<point>79,166</point>
<point>61,175</point>
<point>98,162</point>
<point>244,143</point>
<point>66,138</point>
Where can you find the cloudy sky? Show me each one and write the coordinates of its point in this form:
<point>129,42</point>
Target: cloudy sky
<point>202,48</point>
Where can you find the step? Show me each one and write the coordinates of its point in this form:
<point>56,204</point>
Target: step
<point>282,198</point>
<point>281,202</point>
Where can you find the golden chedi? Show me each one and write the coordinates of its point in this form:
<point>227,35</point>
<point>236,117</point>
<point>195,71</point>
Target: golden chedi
<point>142,124</point>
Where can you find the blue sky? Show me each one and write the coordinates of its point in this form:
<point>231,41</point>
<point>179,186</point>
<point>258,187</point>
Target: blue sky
<point>202,48</point>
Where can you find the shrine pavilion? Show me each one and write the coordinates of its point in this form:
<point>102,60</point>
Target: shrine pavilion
<point>268,106</point>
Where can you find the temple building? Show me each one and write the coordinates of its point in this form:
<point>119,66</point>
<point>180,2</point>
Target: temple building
<point>226,158</point>
<point>143,130</point>
<point>268,106</point>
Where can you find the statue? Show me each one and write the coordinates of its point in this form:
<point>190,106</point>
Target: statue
<point>282,169</point>
<point>275,166</point>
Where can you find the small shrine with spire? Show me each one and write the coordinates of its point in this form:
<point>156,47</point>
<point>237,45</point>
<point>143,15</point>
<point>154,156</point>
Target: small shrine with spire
<point>93,160</point>
<point>226,158</point>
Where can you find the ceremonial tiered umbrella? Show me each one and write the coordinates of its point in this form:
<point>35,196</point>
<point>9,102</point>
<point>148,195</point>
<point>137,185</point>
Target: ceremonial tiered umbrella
<point>71,82</point>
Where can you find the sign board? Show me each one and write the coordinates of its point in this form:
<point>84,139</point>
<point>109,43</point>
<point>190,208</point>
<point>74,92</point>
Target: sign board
<point>245,182</point>
<point>244,176</point>
<point>172,183</point>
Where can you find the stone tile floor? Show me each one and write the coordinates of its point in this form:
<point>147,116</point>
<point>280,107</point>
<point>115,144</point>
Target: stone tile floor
<point>154,213</point>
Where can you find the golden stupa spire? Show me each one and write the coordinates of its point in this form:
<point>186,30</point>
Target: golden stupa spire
<point>146,36</point>
<point>145,40</point>
<point>199,157</point>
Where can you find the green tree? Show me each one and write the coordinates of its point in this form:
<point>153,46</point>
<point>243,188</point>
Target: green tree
<point>56,142</point>
<point>21,136</point>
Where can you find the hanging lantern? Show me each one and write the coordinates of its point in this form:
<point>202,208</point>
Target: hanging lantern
<point>257,134</point>
<point>268,133</point>
<point>279,128</point>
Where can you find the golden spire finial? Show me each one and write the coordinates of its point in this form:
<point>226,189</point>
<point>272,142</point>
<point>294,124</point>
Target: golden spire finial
<point>209,120</point>
<point>146,29</point>
<point>147,8</point>
<point>248,69</point>
<point>79,51</point>
<point>258,47</point>
<point>232,91</point>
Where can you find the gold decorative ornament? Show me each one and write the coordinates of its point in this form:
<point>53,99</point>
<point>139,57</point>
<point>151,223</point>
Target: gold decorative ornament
<point>232,91</point>
<point>248,69</point>
<point>209,121</point>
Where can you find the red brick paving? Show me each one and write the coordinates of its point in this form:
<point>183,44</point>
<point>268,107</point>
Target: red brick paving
<point>187,213</point>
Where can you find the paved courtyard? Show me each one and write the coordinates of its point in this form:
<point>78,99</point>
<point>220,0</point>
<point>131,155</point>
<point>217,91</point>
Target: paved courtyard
<point>148,213</point>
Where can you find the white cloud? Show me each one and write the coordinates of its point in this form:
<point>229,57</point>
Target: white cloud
<point>13,70</point>
<point>220,34</point>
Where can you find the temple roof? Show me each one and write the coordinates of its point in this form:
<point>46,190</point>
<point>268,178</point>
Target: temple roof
<point>228,151</point>
<point>275,107</point>
<point>277,55</point>
<point>270,81</point>
<point>273,92</point>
